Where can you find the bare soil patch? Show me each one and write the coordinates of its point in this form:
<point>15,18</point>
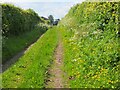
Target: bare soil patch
<point>55,72</point>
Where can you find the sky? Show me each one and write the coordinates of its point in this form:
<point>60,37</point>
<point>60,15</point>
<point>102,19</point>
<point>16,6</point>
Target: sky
<point>57,8</point>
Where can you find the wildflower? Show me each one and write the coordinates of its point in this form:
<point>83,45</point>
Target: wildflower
<point>74,60</point>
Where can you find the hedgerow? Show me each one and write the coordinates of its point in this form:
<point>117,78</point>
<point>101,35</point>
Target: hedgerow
<point>17,21</point>
<point>19,29</point>
<point>104,14</point>
<point>90,36</point>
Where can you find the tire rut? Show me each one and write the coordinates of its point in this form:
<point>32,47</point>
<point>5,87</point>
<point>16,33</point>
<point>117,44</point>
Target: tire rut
<point>56,73</point>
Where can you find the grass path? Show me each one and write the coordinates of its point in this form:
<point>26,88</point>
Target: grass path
<point>55,79</point>
<point>30,70</point>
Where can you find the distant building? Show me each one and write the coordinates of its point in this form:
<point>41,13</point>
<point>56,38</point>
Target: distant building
<point>44,18</point>
<point>56,21</point>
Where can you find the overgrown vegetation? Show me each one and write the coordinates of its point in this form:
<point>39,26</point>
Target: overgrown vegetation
<point>91,46</point>
<point>31,70</point>
<point>19,29</point>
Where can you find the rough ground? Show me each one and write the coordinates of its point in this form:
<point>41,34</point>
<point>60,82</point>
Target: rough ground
<point>56,73</point>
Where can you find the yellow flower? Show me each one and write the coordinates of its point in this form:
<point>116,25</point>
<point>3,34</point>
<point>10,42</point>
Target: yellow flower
<point>110,81</point>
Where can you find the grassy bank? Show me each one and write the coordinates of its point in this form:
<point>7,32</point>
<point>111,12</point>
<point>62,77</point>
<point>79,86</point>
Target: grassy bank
<point>30,71</point>
<point>19,29</point>
<point>14,44</point>
<point>91,51</point>
<point>87,59</point>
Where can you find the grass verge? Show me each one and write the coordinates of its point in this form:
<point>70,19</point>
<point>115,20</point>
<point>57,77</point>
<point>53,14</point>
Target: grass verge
<point>90,36</point>
<point>14,44</point>
<point>90,58</point>
<point>30,71</point>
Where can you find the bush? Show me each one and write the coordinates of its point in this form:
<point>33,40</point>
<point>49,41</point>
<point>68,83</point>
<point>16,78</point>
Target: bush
<point>17,21</point>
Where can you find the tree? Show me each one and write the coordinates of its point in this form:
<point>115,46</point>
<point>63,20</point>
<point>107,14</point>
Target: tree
<point>51,18</point>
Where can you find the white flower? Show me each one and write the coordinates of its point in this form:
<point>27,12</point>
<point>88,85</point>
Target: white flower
<point>74,60</point>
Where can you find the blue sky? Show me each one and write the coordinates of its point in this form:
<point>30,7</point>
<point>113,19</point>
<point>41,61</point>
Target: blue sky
<point>57,8</point>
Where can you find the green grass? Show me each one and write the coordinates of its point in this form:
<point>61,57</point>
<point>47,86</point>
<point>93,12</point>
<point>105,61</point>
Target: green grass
<point>14,44</point>
<point>90,60</point>
<point>31,69</point>
<point>91,55</point>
